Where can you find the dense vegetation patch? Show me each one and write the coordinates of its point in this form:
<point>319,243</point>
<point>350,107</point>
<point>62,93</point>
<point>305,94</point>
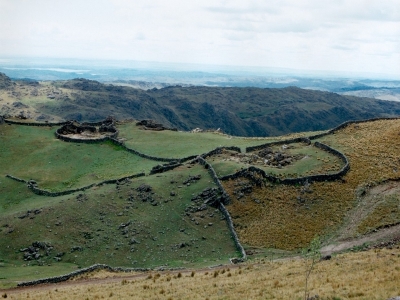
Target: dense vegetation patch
<point>288,217</point>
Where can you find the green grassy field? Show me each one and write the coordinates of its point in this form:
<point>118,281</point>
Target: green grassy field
<point>313,161</point>
<point>34,153</point>
<point>160,231</point>
<point>177,144</point>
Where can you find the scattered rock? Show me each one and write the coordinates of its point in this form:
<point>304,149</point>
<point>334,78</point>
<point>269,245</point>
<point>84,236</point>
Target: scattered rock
<point>192,179</point>
<point>76,248</point>
<point>133,241</point>
<point>144,188</point>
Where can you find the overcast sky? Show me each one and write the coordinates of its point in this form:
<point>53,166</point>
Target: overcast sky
<point>337,35</point>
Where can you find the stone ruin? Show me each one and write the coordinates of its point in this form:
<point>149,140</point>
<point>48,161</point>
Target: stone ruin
<point>277,158</point>
<point>267,157</point>
<point>84,131</point>
<point>152,125</point>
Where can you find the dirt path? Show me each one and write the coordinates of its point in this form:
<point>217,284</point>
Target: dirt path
<point>367,204</point>
<point>385,234</point>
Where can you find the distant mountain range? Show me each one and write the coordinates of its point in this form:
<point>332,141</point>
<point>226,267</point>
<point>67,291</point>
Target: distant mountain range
<point>236,111</point>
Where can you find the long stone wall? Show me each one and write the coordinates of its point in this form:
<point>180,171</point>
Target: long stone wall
<point>347,123</point>
<point>221,206</point>
<point>34,123</point>
<point>92,268</point>
<point>228,219</point>
<point>270,144</point>
<point>42,192</point>
<point>215,178</point>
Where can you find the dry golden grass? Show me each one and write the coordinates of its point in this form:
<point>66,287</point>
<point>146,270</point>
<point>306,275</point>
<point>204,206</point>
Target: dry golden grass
<point>374,274</point>
<point>286,218</point>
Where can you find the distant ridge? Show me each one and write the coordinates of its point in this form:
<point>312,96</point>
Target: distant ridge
<point>246,111</point>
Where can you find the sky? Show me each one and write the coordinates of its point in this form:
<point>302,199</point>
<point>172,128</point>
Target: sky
<point>360,36</point>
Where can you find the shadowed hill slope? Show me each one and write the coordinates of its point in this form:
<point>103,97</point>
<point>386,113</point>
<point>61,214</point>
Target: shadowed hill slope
<point>236,111</point>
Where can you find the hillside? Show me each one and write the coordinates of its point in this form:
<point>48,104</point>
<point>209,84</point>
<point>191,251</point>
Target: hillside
<point>146,199</point>
<point>372,274</point>
<point>236,111</point>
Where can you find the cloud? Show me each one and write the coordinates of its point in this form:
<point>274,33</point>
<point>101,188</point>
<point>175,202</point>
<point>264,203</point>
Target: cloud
<point>277,33</point>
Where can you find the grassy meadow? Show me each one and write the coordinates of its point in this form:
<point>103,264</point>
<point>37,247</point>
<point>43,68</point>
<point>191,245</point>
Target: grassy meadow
<point>34,153</point>
<point>177,144</point>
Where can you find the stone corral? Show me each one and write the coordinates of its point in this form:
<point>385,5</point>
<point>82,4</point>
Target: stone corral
<point>252,171</point>
<point>73,131</point>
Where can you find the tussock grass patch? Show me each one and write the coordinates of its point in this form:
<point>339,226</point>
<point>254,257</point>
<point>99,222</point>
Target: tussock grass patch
<point>365,275</point>
<point>286,218</point>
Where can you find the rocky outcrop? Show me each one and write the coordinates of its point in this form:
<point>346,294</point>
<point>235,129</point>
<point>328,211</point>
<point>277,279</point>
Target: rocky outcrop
<point>5,81</point>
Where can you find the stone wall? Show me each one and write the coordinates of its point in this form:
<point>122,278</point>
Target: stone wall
<point>215,178</point>
<point>228,219</point>
<point>93,268</point>
<point>34,123</point>
<point>164,168</point>
<point>347,123</point>
<point>16,178</point>
<point>42,192</point>
<point>221,206</point>
<point>278,143</point>
<point>218,150</point>
<point>251,171</point>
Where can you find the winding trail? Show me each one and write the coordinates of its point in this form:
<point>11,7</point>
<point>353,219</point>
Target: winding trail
<point>385,234</point>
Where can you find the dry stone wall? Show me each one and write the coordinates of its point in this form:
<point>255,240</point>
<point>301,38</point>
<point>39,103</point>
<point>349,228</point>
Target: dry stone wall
<point>42,192</point>
<point>251,171</point>
<point>222,208</point>
<point>347,123</point>
<point>289,141</point>
<point>34,123</point>
<point>229,221</point>
<point>93,268</point>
